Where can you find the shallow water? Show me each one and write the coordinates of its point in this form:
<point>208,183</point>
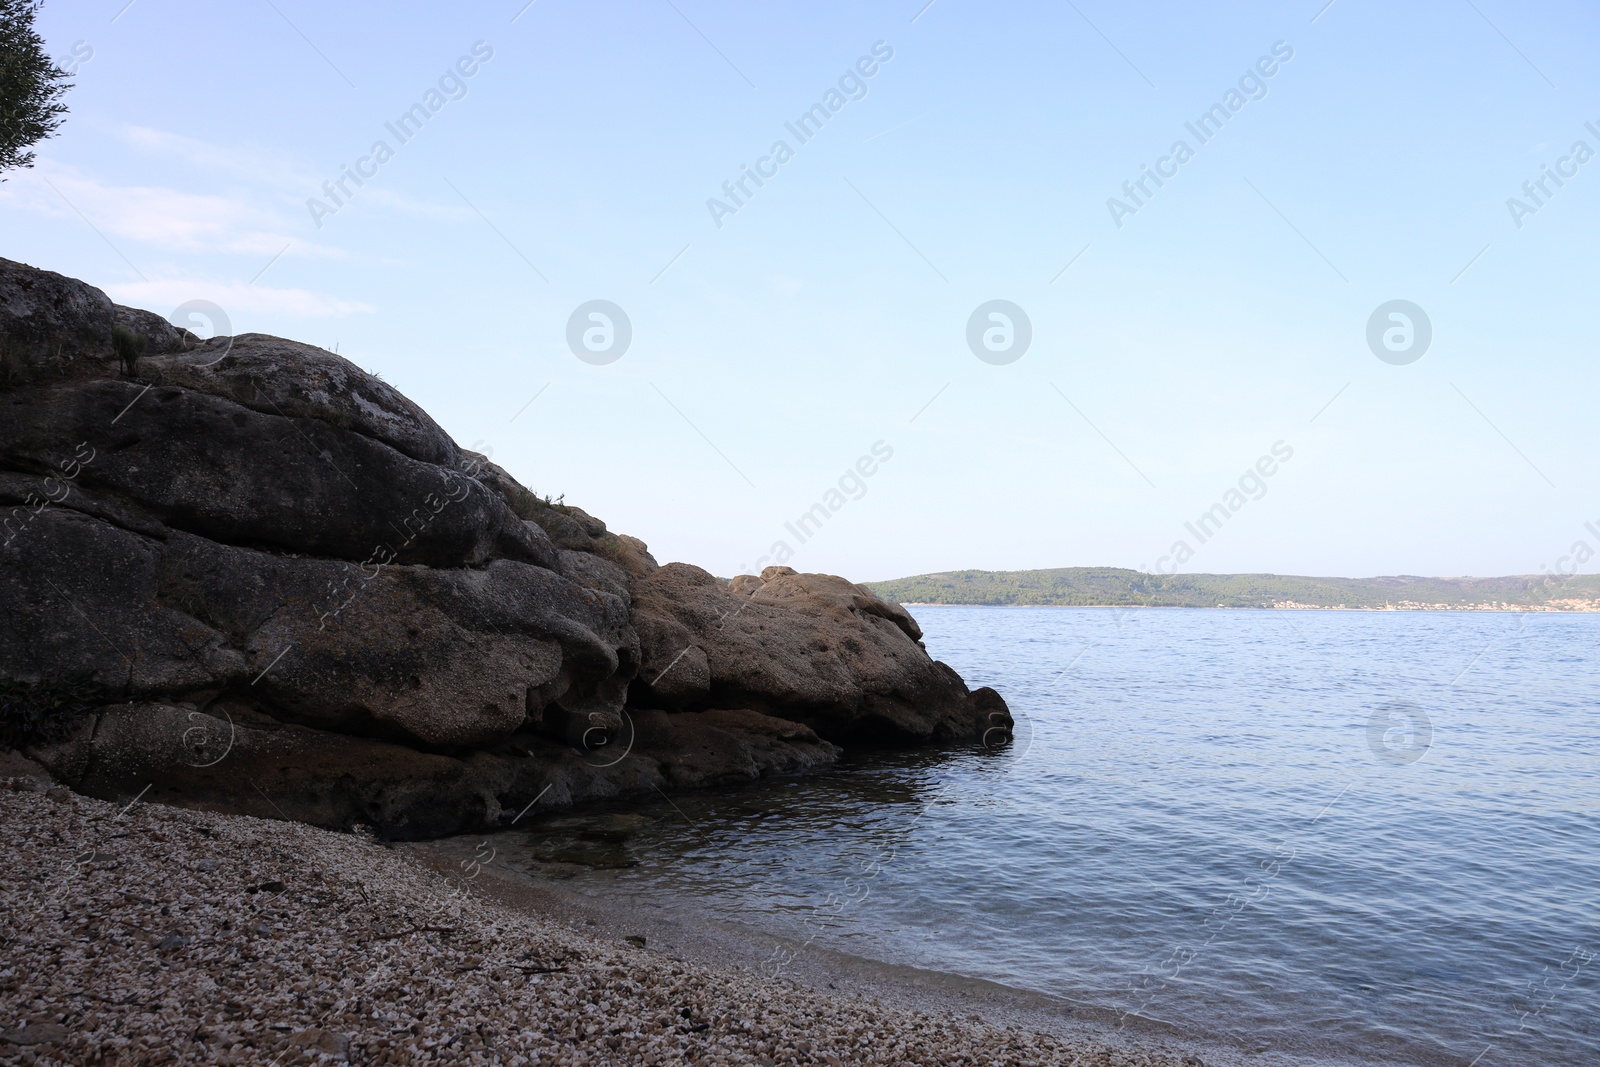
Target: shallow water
<point>1363,833</point>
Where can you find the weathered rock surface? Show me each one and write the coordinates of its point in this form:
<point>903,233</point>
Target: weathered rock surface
<point>812,648</point>
<point>274,585</point>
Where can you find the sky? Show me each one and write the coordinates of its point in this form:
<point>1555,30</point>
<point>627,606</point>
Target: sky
<point>828,342</point>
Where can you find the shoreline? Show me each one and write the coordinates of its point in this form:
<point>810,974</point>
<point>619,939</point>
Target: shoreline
<point>687,935</point>
<point>138,933</point>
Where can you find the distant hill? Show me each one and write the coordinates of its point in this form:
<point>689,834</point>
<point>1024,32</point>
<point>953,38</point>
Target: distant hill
<point>1117,587</point>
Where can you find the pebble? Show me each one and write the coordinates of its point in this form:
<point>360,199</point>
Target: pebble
<point>350,952</point>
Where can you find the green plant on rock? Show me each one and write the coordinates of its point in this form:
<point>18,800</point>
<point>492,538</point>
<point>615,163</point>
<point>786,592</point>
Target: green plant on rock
<point>129,346</point>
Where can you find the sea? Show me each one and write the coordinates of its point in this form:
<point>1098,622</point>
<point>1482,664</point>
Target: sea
<point>1367,836</point>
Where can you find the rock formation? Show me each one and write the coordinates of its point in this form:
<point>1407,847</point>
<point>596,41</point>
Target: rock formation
<point>256,578</point>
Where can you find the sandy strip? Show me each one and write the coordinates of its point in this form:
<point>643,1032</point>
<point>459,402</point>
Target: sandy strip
<point>145,934</point>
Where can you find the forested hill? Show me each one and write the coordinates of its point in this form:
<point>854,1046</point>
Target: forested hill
<point>1117,587</point>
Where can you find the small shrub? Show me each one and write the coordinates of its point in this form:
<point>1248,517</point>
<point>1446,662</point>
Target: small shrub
<point>45,711</point>
<point>129,346</point>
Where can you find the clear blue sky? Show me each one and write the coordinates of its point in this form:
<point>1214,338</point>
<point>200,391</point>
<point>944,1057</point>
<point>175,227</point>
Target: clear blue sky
<point>1221,317</point>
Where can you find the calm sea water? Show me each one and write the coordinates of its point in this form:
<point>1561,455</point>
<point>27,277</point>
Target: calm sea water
<point>1375,834</point>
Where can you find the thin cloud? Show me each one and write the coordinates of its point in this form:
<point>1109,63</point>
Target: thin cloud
<point>160,217</point>
<point>292,181</point>
<point>238,299</point>
<point>410,205</point>
<point>247,163</point>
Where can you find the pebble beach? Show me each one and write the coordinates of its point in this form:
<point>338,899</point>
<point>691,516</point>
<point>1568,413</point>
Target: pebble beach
<point>136,933</point>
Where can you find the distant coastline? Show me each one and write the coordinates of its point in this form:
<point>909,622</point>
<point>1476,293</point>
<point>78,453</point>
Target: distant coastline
<point>1115,587</point>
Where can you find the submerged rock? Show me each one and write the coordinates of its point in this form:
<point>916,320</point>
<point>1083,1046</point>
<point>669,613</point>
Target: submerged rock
<point>254,578</point>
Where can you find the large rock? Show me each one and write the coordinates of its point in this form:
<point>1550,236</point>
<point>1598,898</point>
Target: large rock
<point>812,648</point>
<point>224,755</point>
<point>253,577</point>
<point>51,322</point>
<point>193,461</point>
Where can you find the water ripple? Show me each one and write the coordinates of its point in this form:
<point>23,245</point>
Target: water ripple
<point>1374,832</point>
